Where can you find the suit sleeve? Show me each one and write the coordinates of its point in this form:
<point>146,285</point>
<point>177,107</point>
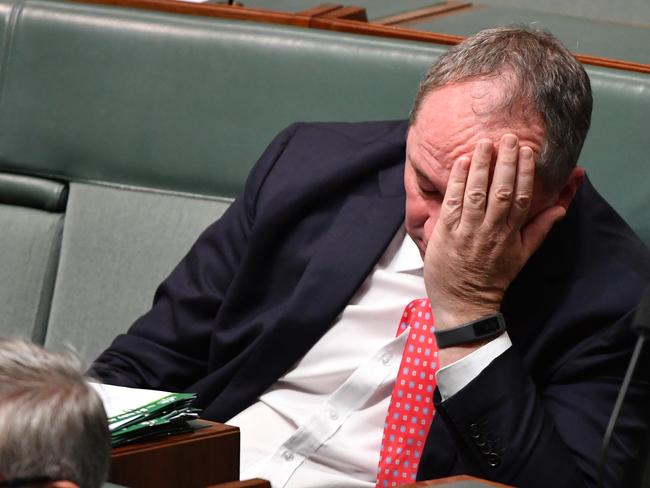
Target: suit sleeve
<point>167,348</point>
<point>543,433</point>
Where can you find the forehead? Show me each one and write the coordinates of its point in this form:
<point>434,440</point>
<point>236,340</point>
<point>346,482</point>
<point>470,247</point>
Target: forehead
<point>452,119</point>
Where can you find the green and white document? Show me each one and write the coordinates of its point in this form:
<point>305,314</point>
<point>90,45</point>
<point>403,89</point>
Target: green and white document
<point>135,414</point>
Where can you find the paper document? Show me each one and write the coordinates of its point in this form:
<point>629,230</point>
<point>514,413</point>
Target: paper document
<point>136,414</point>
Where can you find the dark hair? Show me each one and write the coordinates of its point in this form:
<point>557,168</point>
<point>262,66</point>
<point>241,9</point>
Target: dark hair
<point>538,73</point>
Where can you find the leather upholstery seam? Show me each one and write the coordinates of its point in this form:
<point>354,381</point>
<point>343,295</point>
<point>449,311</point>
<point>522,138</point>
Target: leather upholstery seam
<point>151,190</point>
<point>65,181</point>
<point>50,279</point>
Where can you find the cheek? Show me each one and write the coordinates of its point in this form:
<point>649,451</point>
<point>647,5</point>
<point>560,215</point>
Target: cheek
<point>413,220</point>
<point>431,221</point>
<point>421,217</point>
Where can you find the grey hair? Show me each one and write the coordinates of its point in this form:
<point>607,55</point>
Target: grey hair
<point>538,73</point>
<point>52,422</point>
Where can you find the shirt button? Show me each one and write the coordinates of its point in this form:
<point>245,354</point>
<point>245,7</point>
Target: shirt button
<point>385,359</point>
<point>288,456</point>
<point>334,414</point>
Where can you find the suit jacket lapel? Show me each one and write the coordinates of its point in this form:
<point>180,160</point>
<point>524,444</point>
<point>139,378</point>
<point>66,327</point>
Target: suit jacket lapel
<point>357,238</point>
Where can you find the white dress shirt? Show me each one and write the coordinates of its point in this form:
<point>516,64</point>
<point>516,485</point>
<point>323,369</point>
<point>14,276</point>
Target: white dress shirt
<point>320,425</point>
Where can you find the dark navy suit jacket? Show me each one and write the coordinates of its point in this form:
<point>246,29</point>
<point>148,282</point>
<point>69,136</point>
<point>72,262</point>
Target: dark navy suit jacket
<point>318,211</point>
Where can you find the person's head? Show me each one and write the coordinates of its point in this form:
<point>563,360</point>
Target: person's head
<point>53,426</point>
<point>502,80</point>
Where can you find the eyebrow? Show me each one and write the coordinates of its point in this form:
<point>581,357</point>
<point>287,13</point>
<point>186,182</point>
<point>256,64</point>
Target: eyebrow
<point>416,167</point>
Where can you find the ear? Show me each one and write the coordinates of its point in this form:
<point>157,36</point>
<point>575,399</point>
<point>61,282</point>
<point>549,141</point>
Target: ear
<point>61,484</point>
<point>567,193</point>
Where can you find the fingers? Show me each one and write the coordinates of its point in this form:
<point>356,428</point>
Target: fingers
<point>503,182</point>
<point>509,196</point>
<point>523,193</point>
<point>452,204</point>
<point>470,200</point>
<point>477,183</point>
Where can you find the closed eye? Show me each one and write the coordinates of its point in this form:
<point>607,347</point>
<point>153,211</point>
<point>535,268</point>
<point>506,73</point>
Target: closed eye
<point>425,186</point>
<point>430,193</point>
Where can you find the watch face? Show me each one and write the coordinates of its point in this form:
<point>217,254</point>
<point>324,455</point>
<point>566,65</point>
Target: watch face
<point>486,326</point>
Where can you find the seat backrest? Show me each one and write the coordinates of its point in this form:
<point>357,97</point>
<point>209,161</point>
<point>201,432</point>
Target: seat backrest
<point>616,150</point>
<point>179,102</point>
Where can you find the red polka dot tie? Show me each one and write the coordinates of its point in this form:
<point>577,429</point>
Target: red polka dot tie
<point>411,407</point>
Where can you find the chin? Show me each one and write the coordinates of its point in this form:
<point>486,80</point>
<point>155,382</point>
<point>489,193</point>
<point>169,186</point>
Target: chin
<point>422,247</point>
<point>423,251</point>
<point>419,242</point>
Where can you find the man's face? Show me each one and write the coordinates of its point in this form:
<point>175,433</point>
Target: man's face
<point>450,122</point>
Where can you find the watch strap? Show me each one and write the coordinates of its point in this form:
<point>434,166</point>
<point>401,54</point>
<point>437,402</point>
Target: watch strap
<point>484,328</point>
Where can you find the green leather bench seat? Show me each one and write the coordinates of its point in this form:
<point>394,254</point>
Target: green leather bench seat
<point>153,121</point>
<point>178,102</point>
<point>585,36</point>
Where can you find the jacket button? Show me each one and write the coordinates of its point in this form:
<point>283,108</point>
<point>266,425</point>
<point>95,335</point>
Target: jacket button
<point>493,460</point>
<point>486,449</point>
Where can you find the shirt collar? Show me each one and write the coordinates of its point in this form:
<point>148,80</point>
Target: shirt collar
<point>407,258</point>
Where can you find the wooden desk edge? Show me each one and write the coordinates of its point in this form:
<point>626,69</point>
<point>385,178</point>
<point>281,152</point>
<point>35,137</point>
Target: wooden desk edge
<point>252,483</point>
<point>214,430</point>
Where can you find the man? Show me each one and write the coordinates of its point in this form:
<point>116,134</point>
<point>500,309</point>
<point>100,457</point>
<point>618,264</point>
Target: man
<point>283,315</point>
<point>53,428</point>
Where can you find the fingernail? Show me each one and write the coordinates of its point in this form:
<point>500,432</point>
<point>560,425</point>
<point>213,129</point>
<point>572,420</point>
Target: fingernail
<point>485,146</point>
<point>510,141</point>
<point>526,153</point>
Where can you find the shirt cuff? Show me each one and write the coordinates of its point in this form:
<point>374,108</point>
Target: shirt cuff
<point>455,376</point>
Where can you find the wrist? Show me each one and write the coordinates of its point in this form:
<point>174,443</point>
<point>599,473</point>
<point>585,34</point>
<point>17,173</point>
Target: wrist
<point>485,328</point>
